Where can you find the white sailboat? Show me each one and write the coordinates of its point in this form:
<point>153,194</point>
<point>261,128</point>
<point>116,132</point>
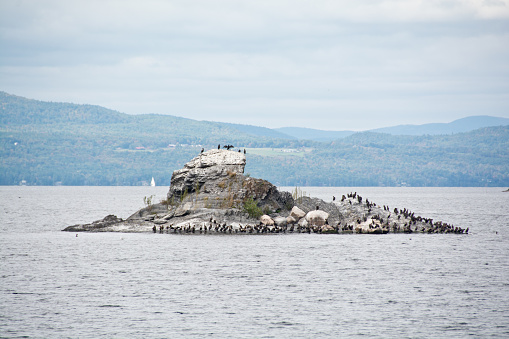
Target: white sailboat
<point>153,182</point>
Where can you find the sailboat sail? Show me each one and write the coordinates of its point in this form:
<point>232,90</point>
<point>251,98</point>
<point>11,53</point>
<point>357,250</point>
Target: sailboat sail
<point>153,182</point>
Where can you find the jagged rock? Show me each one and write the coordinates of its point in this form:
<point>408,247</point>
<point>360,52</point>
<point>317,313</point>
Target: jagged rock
<point>106,221</point>
<point>168,216</point>
<point>204,169</point>
<point>183,209</point>
<point>149,212</point>
<point>96,226</point>
<point>267,195</point>
<point>215,180</point>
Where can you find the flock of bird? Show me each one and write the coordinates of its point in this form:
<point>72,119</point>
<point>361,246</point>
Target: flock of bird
<point>403,220</point>
<point>223,228</point>
<point>228,147</point>
<point>396,221</point>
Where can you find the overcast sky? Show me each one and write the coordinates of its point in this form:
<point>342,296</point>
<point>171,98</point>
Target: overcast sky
<point>333,65</point>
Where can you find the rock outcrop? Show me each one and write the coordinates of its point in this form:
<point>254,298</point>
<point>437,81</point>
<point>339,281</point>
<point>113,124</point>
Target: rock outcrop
<point>206,173</point>
<point>211,194</point>
<point>210,191</point>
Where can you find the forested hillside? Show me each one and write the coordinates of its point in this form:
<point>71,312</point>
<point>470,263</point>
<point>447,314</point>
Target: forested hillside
<point>477,158</point>
<point>45,143</point>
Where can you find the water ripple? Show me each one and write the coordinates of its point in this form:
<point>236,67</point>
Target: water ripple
<point>54,284</point>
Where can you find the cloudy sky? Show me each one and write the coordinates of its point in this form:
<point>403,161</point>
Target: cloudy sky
<point>332,65</point>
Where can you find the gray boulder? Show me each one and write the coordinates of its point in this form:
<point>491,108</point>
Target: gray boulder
<point>317,218</point>
<point>266,220</point>
<point>280,221</point>
<point>297,213</point>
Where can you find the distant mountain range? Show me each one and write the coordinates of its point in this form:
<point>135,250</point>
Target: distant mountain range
<point>49,143</point>
<point>19,110</point>
<point>457,126</point>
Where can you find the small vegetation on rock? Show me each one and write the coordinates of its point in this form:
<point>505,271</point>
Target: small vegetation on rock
<point>267,210</point>
<point>183,195</point>
<point>165,202</point>
<point>298,194</point>
<point>251,208</point>
<point>148,202</point>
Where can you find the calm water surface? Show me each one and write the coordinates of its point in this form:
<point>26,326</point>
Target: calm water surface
<point>54,284</point>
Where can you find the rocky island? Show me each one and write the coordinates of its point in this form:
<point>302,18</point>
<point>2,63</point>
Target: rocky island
<point>211,194</point>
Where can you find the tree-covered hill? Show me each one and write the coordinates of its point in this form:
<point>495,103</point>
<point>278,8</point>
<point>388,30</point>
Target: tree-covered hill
<point>147,130</point>
<point>43,143</point>
<point>477,158</point>
<point>15,110</point>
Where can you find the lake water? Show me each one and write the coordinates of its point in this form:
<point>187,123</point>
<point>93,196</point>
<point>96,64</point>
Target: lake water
<point>55,284</point>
